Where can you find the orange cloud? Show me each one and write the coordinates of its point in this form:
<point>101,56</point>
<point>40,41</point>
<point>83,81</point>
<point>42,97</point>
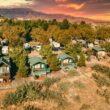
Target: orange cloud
<point>73,5</point>
<point>61,0</point>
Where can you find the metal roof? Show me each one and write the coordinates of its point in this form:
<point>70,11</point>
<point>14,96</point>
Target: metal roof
<point>5,60</point>
<point>35,60</point>
<point>63,56</point>
<point>98,49</point>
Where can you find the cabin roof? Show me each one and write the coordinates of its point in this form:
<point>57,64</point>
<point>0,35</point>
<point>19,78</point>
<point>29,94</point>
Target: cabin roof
<point>34,60</point>
<point>63,56</point>
<point>98,49</point>
<point>5,60</point>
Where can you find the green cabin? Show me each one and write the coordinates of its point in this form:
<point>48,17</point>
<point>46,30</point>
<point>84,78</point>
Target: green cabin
<point>67,62</point>
<point>4,69</point>
<point>38,67</point>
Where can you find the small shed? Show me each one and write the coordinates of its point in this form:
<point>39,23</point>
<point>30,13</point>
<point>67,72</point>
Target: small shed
<point>67,62</point>
<point>38,67</point>
<point>5,50</point>
<point>4,69</point>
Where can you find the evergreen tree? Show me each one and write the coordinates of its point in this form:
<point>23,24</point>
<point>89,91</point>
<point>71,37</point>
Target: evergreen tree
<point>23,69</point>
<point>53,63</point>
<point>46,51</point>
<point>64,24</point>
<point>82,60</point>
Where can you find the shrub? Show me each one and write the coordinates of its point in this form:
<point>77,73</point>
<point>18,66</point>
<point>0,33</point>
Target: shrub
<point>30,107</point>
<point>85,107</point>
<point>101,80</point>
<point>73,73</point>
<point>10,99</point>
<point>24,92</point>
<point>77,98</point>
<point>35,90</point>
<point>64,86</point>
<point>104,93</point>
<point>79,84</point>
<point>50,81</point>
<point>102,69</point>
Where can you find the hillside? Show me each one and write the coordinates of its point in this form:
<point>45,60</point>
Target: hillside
<point>31,14</point>
<point>69,91</point>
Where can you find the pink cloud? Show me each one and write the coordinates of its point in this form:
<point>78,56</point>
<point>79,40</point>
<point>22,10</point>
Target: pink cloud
<point>72,5</point>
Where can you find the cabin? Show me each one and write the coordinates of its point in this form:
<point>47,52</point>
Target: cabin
<point>38,67</point>
<point>99,52</point>
<point>4,69</point>
<point>67,62</point>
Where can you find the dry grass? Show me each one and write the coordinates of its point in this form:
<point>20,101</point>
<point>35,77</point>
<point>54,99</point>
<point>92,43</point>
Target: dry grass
<point>79,91</point>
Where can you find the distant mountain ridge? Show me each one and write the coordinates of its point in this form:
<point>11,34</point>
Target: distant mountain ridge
<point>25,13</point>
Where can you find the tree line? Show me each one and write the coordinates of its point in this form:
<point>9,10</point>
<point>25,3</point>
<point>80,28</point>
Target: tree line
<point>19,32</point>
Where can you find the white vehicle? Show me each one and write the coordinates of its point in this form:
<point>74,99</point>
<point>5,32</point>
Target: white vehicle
<point>27,46</point>
<point>56,44</point>
<point>5,50</point>
<point>90,45</point>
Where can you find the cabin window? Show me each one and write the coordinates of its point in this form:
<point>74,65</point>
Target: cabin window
<point>70,61</point>
<point>65,61</point>
<point>4,70</point>
<point>38,66</point>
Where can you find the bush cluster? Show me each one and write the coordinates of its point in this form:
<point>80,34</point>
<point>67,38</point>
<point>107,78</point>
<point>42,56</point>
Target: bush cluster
<point>102,69</point>
<point>35,90</point>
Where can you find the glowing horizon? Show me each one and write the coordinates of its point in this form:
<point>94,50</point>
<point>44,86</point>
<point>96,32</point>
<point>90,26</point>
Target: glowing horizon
<point>94,9</point>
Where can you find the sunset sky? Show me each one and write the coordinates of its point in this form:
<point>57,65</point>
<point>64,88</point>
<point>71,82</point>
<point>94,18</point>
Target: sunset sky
<point>95,9</point>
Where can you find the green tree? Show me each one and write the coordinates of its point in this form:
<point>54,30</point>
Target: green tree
<point>64,24</point>
<point>39,35</point>
<point>70,50</point>
<point>22,67</point>
<point>103,32</point>
<point>82,60</point>
<point>46,51</point>
<point>14,34</point>
<point>53,63</point>
<point>19,57</point>
<point>107,47</point>
<point>45,25</point>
